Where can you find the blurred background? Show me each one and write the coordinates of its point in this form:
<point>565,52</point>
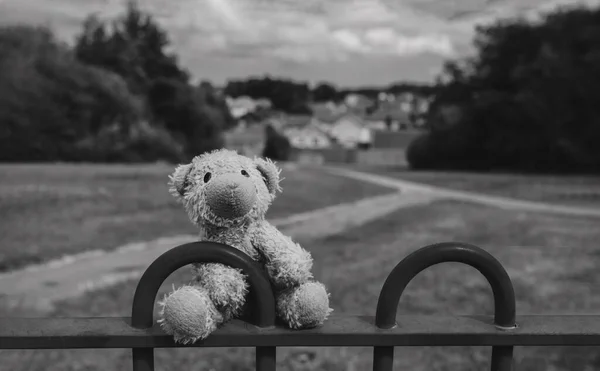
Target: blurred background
<point>437,120</point>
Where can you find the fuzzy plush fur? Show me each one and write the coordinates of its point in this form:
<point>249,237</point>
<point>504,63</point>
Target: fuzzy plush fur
<point>227,196</point>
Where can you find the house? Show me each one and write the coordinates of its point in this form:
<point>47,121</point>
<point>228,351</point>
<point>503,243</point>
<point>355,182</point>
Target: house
<point>356,100</point>
<point>244,105</point>
<point>349,130</point>
<point>406,101</point>
<point>263,103</point>
<point>388,116</point>
<point>322,111</point>
<point>311,141</point>
<point>328,112</point>
<point>276,120</point>
<point>326,118</point>
<point>305,132</point>
<point>337,108</point>
<point>408,97</point>
<point>358,103</point>
<point>422,105</point>
<point>240,106</point>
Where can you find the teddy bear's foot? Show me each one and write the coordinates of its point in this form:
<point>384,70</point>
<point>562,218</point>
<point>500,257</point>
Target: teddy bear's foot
<point>189,315</point>
<point>304,306</point>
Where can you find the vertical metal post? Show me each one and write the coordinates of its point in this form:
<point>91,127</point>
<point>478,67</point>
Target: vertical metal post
<point>413,264</point>
<point>502,358</point>
<point>261,294</point>
<point>383,358</point>
<point>266,358</point>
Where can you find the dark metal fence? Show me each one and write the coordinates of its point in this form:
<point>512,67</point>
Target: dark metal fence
<point>383,332</point>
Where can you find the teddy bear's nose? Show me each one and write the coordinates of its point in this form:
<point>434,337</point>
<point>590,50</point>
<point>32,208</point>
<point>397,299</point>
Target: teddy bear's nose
<point>231,184</point>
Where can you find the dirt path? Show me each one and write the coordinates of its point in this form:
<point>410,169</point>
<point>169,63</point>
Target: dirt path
<point>39,286</point>
<point>496,201</point>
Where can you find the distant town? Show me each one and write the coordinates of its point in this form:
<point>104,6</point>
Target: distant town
<point>356,128</point>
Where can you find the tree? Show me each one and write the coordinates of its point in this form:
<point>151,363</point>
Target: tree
<point>214,101</point>
<point>528,99</point>
<point>50,102</point>
<point>135,48</point>
<point>324,92</point>
<point>182,112</point>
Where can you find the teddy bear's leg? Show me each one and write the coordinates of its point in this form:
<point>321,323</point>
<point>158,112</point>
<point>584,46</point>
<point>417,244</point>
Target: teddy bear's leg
<point>226,286</point>
<point>189,314</point>
<point>304,306</point>
<point>193,312</point>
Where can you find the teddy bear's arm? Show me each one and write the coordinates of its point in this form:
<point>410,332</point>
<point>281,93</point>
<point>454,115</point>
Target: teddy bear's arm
<point>287,263</point>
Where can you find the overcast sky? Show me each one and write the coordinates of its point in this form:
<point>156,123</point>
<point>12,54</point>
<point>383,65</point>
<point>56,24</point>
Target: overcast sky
<point>347,42</point>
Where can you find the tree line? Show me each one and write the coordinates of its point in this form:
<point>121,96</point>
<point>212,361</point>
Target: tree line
<point>528,100</point>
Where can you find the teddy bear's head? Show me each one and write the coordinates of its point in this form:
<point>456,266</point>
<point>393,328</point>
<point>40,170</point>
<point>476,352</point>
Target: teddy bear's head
<point>225,189</point>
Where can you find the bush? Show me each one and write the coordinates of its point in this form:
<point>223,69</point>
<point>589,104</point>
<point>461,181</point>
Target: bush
<point>448,150</point>
<point>142,143</point>
<point>420,153</point>
<point>148,143</point>
<point>277,146</point>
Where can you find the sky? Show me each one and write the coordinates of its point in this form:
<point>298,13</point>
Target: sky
<point>345,42</point>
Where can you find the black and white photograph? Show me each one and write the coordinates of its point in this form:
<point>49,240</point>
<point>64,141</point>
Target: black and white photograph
<point>299,185</point>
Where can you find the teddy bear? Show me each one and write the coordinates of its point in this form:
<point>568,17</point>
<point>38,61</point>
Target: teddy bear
<point>227,195</point>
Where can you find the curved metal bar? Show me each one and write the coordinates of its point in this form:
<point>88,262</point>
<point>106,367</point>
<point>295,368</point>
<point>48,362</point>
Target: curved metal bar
<point>202,252</point>
<point>261,294</point>
<point>413,264</point>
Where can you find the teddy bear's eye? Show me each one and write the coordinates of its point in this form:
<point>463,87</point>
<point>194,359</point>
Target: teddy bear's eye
<point>207,177</point>
<point>245,173</point>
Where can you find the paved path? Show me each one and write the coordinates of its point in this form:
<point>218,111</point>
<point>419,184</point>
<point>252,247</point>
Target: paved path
<point>39,286</point>
<point>496,201</point>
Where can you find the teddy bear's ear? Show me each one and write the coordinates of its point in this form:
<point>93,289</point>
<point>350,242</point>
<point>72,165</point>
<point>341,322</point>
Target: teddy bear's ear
<point>270,174</point>
<point>179,180</point>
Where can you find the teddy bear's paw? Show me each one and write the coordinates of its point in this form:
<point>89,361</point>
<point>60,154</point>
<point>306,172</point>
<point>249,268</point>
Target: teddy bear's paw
<point>304,306</point>
<point>189,315</point>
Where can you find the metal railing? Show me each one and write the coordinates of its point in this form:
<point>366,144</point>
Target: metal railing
<point>383,332</point>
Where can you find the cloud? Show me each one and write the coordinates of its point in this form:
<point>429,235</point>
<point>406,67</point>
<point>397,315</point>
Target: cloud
<point>312,34</point>
<point>361,12</point>
<point>381,36</point>
<point>313,31</point>
<point>385,41</point>
<point>337,36</point>
<point>227,12</point>
<point>349,40</point>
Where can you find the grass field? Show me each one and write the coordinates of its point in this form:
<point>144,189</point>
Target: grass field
<point>552,261</point>
<point>51,210</point>
<point>565,190</point>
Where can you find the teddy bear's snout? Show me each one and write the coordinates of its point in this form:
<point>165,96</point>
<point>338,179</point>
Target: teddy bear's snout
<point>232,185</point>
<point>230,196</point>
